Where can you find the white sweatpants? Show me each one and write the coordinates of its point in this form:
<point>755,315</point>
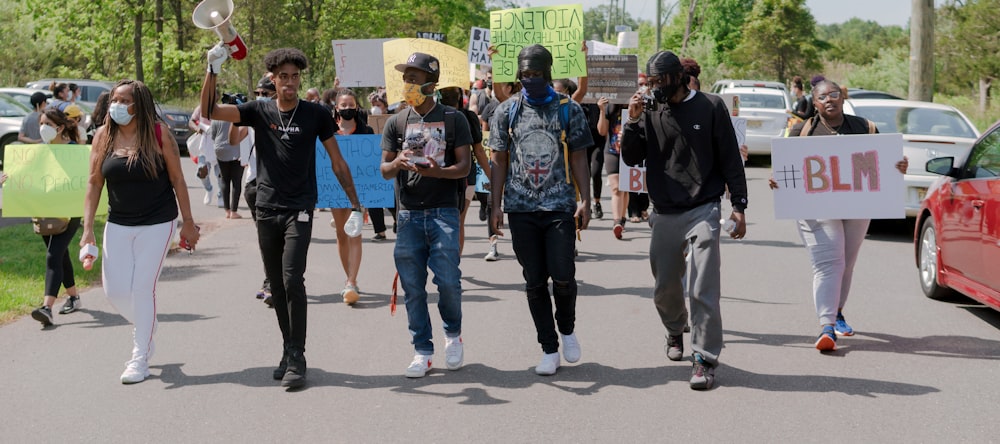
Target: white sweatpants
<point>133,258</point>
<point>833,246</point>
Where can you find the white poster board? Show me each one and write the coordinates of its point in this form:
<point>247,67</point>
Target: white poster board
<point>838,177</point>
<point>600,48</point>
<point>479,46</point>
<point>633,179</point>
<point>359,62</point>
<point>628,39</point>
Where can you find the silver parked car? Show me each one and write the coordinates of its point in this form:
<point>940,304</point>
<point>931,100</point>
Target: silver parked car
<point>929,130</point>
<point>11,115</point>
<point>767,111</point>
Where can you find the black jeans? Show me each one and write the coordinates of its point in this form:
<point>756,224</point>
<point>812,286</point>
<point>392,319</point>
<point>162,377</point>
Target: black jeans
<point>250,194</point>
<point>596,155</point>
<point>284,245</point>
<point>58,264</point>
<point>543,242</point>
<point>232,177</point>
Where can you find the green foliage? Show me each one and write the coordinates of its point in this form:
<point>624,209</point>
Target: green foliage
<point>595,23</point>
<point>889,72</point>
<point>723,21</point>
<point>967,44</point>
<point>779,40</point>
<point>858,41</point>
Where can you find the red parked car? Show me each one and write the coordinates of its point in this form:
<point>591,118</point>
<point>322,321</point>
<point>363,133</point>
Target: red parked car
<point>957,237</point>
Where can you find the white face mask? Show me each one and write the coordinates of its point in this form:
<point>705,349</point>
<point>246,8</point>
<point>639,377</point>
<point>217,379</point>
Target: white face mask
<point>376,111</point>
<point>119,113</point>
<point>48,133</point>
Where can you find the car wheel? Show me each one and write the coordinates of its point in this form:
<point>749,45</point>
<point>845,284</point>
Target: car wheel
<point>928,266</point>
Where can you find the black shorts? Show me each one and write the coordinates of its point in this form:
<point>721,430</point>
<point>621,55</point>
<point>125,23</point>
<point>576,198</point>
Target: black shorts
<point>610,163</point>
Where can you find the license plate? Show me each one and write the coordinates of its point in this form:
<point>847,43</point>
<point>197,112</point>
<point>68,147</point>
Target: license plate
<point>921,193</point>
<point>754,124</point>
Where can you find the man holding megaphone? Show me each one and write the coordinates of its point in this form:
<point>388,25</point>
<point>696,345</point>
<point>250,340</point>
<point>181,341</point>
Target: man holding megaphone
<point>286,132</point>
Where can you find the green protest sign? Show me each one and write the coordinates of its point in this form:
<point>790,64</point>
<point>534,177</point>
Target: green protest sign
<point>47,181</point>
<point>558,28</point>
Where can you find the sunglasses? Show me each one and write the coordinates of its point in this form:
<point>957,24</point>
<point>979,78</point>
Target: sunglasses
<point>832,95</point>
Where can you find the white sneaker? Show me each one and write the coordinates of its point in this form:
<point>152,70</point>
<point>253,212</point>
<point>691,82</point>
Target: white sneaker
<point>136,371</point>
<point>208,198</point>
<point>419,367</point>
<point>549,364</point>
<point>221,203</point>
<point>454,352</point>
<point>492,256</point>
<point>571,348</point>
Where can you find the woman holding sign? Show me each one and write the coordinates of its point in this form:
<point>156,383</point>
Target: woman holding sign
<point>136,157</point>
<point>57,129</point>
<point>833,244</point>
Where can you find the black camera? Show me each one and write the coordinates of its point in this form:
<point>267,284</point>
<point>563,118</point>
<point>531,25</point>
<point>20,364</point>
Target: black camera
<point>233,98</point>
<point>649,103</point>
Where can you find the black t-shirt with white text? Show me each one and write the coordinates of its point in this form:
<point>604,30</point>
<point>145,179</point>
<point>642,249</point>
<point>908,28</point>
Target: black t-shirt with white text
<point>286,151</point>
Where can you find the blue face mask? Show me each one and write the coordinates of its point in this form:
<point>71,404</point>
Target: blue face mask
<point>536,88</point>
<point>119,113</point>
<point>263,99</point>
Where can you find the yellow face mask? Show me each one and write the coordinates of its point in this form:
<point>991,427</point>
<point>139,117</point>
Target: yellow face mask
<point>413,94</point>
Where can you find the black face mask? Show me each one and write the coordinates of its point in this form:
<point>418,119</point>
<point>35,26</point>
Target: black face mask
<point>665,92</point>
<point>347,114</point>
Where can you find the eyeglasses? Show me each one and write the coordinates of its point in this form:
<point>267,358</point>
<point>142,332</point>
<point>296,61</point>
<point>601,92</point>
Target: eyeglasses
<point>832,95</point>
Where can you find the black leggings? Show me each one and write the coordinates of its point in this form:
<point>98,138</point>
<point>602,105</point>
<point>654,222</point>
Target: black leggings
<point>58,264</point>
<point>596,155</point>
<point>232,176</point>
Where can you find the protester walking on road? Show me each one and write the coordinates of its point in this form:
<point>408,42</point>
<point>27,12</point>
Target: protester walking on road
<point>691,156</point>
<point>539,141</point>
<point>136,157</point>
<point>452,97</point>
<point>57,129</point>
<point>286,188</point>
<point>349,122</point>
<point>833,244</point>
<point>227,158</point>
<point>30,124</point>
<point>425,148</point>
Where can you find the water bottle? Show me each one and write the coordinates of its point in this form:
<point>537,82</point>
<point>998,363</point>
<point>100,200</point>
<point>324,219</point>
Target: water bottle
<point>728,225</point>
<point>88,254</point>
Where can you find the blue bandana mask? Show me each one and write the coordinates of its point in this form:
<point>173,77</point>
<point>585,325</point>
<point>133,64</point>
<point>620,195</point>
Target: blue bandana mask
<point>536,88</point>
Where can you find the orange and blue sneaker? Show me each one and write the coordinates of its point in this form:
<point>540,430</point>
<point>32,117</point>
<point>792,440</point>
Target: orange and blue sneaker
<point>841,327</point>
<point>827,340</point>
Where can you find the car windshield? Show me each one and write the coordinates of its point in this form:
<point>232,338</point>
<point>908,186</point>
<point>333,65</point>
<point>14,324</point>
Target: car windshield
<point>9,107</point>
<point>917,121</point>
<point>751,100</point>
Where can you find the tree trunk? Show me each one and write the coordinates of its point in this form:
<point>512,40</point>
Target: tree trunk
<point>179,24</point>
<point>137,39</point>
<point>984,93</point>
<point>922,50</point>
<point>687,29</point>
<point>158,66</point>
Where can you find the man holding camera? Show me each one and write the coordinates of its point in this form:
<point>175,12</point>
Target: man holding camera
<point>687,141</point>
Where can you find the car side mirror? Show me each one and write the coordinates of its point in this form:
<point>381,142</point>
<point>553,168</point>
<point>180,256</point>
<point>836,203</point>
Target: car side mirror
<point>941,165</point>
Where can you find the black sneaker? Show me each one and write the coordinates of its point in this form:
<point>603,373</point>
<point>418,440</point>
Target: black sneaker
<point>295,377</point>
<point>702,374</point>
<point>674,347</point>
<point>72,304</point>
<point>269,299</point>
<point>482,213</point>
<point>379,237</point>
<point>598,212</point>
<point>282,366</point>
<point>42,314</point>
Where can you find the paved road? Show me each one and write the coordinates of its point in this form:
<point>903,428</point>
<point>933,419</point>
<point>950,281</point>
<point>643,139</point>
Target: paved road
<point>918,370</point>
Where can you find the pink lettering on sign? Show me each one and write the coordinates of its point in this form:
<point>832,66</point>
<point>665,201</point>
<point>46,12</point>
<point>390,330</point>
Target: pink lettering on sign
<point>636,179</point>
<point>820,179</point>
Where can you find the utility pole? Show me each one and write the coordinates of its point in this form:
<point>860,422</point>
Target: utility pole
<point>922,50</point>
<point>659,24</point>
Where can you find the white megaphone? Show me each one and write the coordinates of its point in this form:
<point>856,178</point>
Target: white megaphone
<point>215,15</point>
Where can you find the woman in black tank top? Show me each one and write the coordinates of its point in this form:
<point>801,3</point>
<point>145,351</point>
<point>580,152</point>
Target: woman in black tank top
<point>135,156</point>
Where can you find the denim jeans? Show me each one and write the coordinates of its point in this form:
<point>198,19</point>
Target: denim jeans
<point>429,239</point>
<point>284,245</point>
<point>543,242</point>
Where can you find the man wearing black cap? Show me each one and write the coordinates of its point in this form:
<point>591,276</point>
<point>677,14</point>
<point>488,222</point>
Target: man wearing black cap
<point>30,125</point>
<point>691,156</point>
<point>286,131</point>
<point>428,164</point>
<point>543,137</point>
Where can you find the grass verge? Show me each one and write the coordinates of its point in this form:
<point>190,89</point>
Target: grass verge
<point>22,268</point>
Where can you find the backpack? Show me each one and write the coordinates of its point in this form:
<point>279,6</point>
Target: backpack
<point>514,113</point>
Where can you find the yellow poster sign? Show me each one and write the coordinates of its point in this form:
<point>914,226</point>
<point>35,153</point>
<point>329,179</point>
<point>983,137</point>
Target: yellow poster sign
<point>454,64</point>
<point>47,181</point>
<point>558,28</point>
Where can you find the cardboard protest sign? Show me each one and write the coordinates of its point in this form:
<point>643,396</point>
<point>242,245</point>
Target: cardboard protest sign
<point>454,64</point>
<point>479,47</point>
<point>558,28</point>
<point>436,36</point>
<point>482,180</point>
<point>611,76</point>
<point>47,181</point>
<point>838,177</point>
<point>364,155</point>
<point>740,127</point>
<point>359,62</point>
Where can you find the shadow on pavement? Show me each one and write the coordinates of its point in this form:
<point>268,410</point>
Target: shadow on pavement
<point>961,347</point>
<point>734,377</point>
<point>105,319</point>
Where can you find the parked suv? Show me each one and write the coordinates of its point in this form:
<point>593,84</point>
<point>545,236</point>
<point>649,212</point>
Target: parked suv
<point>722,85</point>
<point>89,89</point>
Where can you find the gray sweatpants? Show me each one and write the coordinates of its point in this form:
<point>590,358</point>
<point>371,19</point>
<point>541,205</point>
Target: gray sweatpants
<point>833,246</point>
<point>671,233</point>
